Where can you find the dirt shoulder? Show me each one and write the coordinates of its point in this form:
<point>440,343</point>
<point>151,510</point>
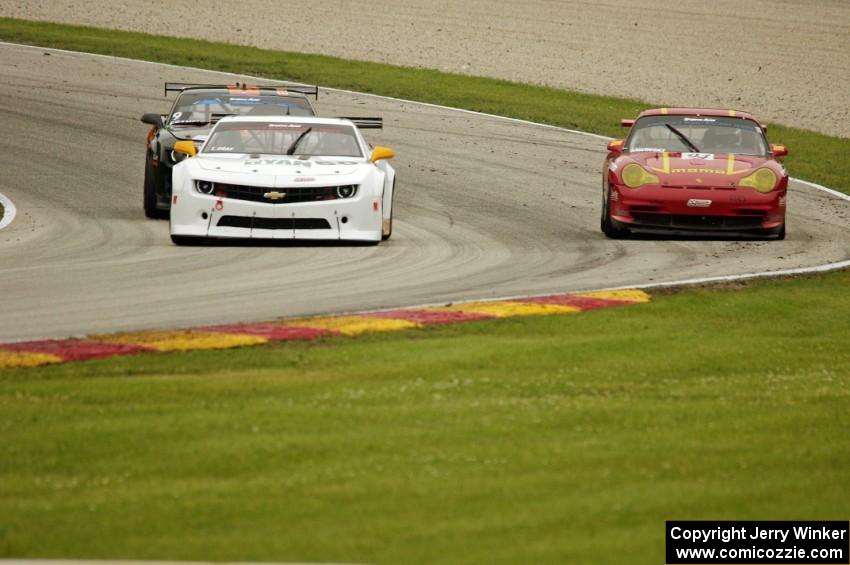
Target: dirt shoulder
<point>785,60</point>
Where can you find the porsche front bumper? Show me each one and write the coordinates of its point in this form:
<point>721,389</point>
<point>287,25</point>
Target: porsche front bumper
<point>697,209</point>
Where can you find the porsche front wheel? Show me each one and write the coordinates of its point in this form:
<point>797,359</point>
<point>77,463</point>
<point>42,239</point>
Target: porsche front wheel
<point>608,228</point>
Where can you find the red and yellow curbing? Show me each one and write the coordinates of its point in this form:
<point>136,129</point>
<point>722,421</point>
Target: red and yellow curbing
<point>46,352</point>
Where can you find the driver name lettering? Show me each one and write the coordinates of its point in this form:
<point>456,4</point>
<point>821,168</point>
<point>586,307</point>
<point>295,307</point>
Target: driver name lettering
<point>289,162</point>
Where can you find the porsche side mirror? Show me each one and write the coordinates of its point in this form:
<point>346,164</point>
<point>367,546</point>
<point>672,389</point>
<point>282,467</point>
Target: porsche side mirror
<point>627,123</point>
<point>779,150</point>
<point>185,147</point>
<point>152,119</point>
<point>379,153</point>
<point>615,146</point>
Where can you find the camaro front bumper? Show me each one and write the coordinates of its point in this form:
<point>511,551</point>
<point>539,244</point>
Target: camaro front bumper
<point>198,215</point>
<point>697,209</point>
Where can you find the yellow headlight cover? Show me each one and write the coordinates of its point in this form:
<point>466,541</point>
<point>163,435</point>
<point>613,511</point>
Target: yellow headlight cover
<point>763,180</point>
<point>635,176</point>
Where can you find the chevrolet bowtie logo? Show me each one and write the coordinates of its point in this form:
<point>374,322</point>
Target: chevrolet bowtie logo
<point>274,195</point>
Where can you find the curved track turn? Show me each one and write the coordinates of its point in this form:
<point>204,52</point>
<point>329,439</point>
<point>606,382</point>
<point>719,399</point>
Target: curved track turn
<point>485,208</point>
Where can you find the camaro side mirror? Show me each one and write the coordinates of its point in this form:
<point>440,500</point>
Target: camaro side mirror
<point>779,150</point>
<point>186,148</point>
<point>616,146</point>
<point>379,153</point>
<point>153,119</point>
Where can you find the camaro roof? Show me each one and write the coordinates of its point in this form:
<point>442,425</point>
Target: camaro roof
<point>697,112</point>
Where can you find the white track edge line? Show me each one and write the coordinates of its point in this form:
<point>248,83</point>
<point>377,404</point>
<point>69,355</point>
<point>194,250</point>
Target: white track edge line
<point>9,211</point>
<point>827,267</point>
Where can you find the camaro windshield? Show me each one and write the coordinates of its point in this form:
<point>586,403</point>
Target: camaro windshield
<point>194,108</point>
<point>274,138</point>
<point>698,134</point>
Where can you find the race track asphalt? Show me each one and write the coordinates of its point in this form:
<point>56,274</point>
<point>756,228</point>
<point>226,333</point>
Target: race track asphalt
<point>484,208</point>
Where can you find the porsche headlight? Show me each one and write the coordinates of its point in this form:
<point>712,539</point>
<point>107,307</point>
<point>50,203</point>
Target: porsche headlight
<point>763,180</point>
<point>635,176</point>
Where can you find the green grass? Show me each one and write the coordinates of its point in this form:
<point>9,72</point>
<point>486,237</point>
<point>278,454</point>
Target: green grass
<point>538,440</point>
<point>816,157</point>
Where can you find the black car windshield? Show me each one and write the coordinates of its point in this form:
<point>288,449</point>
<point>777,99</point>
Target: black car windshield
<point>276,138</point>
<point>697,134</point>
<point>194,108</point>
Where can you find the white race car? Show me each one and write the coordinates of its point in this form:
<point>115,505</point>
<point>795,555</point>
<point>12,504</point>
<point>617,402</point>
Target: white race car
<point>270,177</point>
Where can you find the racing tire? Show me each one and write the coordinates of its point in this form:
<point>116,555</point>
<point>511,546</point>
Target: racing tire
<point>186,240</point>
<point>151,211</point>
<point>781,235</point>
<point>608,228</point>
<point>150,193</point>
<point>387,233</point>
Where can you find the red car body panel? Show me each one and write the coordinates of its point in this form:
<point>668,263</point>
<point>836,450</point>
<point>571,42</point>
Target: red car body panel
<point>695,192</point>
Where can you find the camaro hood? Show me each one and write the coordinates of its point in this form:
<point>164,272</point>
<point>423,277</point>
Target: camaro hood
<point>280,165</point>
<point>697,169</point>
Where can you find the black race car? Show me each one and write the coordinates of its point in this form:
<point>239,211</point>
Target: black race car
<point>197,108</point>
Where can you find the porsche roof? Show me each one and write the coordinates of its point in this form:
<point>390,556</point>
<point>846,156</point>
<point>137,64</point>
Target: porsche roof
<point>697,112</point>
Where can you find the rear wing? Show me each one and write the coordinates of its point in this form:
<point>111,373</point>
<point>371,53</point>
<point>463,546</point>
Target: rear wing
<point>365,123</point>
<point>242,88</point>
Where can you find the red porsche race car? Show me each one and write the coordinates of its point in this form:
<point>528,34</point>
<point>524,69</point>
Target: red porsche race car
<point>694,170</point>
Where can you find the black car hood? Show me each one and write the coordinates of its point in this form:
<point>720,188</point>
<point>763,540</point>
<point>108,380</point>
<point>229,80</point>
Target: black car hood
<point>189,132</point>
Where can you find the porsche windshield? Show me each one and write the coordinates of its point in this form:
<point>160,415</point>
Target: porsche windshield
<point>199,108</point>
<point>276,138</point>
<point>697,134</point>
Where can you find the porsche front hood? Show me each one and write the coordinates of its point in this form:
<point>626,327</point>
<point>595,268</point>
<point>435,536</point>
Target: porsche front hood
<point>697,169</point>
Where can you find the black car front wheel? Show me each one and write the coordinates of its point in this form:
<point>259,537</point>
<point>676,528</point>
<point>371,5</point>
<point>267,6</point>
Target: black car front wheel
<point>151,210</point>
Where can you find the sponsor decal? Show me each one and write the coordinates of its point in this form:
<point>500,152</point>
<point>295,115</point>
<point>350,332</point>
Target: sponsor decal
<point>335,163</point>
<point>698,171</point>
<point>698,203</point>
<point>701,120</point>
<point>699,156</point>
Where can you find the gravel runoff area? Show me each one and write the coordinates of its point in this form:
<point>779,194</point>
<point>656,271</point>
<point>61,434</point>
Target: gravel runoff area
<point>785,60</point>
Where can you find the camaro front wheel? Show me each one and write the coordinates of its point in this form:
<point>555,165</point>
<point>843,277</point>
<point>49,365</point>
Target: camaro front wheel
<point>186,240</point>
<point>387,230</point>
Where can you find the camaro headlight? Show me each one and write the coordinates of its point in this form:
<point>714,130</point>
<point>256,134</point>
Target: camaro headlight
<point>763,180</point>
<point>346,191</point>
<point>204,186</point>
<point>635,176</point>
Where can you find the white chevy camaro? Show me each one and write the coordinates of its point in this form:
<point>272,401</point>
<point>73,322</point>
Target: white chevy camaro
<point>270,177</point>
